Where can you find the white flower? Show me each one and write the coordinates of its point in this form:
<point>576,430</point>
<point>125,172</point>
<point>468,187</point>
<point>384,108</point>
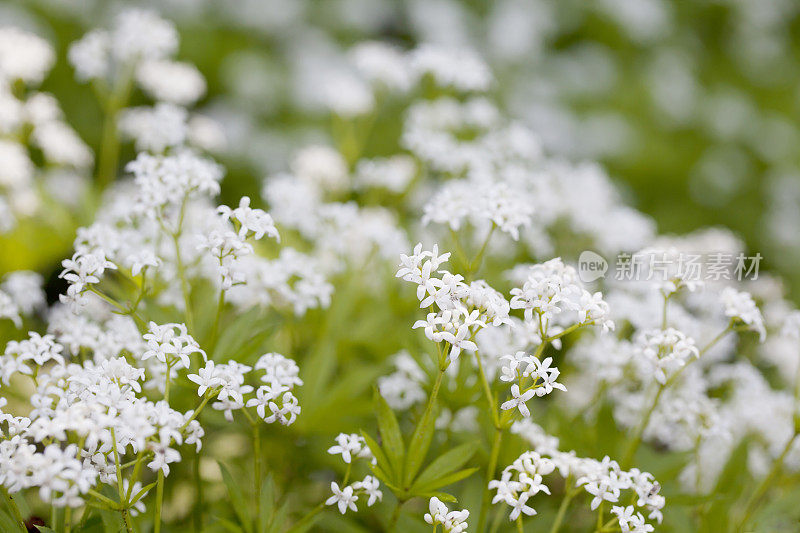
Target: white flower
<point>518,400</point>
<point>344,498</point>
<point>740,307</point>
<point>370,486</point>
<point>347,446</point>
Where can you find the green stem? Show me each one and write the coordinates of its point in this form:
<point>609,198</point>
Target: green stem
<point>562,509</point>
<point>475,264</point>
<point>302,524</point>
<point>490,470</point>
<point>753,502</point>
<point>187,299</point>
<point>212,343</point>
<point>197,511</point>
<point>599,526</point>
<point>159,501</point>
<point>257,467</point>
<point>67,519</point>
<point>12,506</point>
<point>395,516</point>
<point>630,452</point>
<point>487,390</point>
<point>519,524</point>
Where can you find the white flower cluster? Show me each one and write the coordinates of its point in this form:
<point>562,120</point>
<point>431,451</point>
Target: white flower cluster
<point>521,365</point>
<point>95,404</point>
<point>37,146</point>
<point>664,352</point>
<point>463,308</point>
<point>136,36</point>
<point>342,233</point>
<point>552,290</point>
<point>351,447</point>
<point>451,521</point>
<point>165,182</point>
<point>604,480</point>
<point>740,307</point>
<point>228,247</point>
<point>21,294</point>
<point>273,401</point>
<point>404,387</point>
<point>520,481</point>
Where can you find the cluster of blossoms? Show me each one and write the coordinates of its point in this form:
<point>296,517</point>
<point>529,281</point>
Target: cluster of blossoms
<point>225,382</point>
<point>551,291</point>
<point>604,480</point>
<point>97,404</point>
<point>520,481</point>
<point>21,295</point>
<point>521,365</point>
<point>351,447</point>
<point>451,521</point>
<point>665,351</point>
<point>32,123</point>
<point>463,308</point>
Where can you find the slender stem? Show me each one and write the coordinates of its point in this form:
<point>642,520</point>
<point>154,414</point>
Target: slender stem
<point>212,343</point>
<point>301,524</point>
<point>123,500</point>
<point>197,411</point>
<point>753,502</point>
<point>562,509</point>
<point>487,390</point>
<point>160,478</point>
<point>630,452</point>
<point>187,299</point>
<point>197,511</point>
<point>519,524</point>
<point>67,519</point>
<point>475,264</point>
<point>637,440</point>
<point>53,518</point>
<point>159,501</point>
<point>599,526</point>
<point>395,516</point>
<point>257,466</point>
<point>12,506</point>
<point>490,470</point>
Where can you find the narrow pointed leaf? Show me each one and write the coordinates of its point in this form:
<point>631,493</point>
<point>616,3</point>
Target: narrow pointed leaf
<point>237,499</point>
<point>446,463</point>
<point>267,504</point>
<point>377,452</point>
<point>444,480</point>
<point>418,446</point>
<point>390,433</point>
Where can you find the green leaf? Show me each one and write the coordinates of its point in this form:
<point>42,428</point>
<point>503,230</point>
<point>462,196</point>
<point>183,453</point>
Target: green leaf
<point>7,523</point>
<point>237,498</point>
<point>279,521</point>
<point>447,463</point>
<point>266,507</point>
<point>443,496</point>
<point>382,476</point>
<point>418,447</point>
<point>45,529</point>
<point>377,452</point>
<point>392,439</point>
<point>443,481</point>
<point>228,525</point>
<point>139,495</point>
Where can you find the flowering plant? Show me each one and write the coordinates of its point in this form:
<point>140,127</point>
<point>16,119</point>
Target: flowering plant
<point>381,335</point>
